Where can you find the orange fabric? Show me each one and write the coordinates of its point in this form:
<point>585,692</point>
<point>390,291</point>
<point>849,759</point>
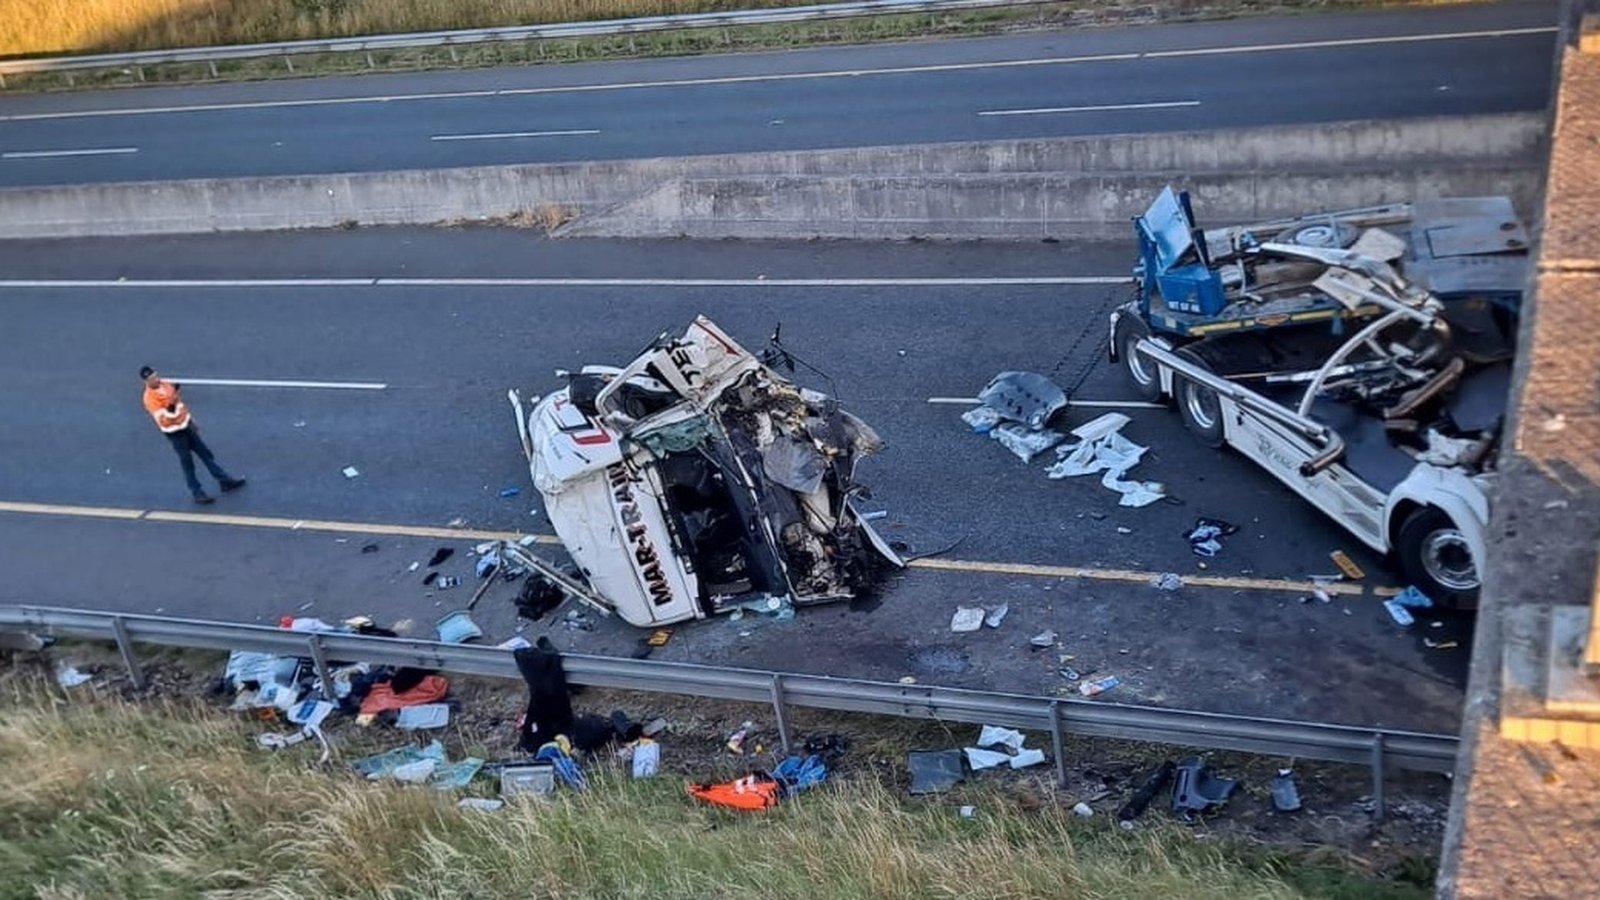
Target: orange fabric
<point>431,689</point>
<point>156,401</point>
<point>752,792</point>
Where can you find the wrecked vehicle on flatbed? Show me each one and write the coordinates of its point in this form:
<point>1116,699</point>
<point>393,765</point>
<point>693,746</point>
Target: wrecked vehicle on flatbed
<point>698,480</point>
<point>1363,357</point>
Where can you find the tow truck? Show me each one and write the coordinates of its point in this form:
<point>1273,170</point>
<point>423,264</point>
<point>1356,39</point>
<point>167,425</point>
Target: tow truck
<point>1362,357</point>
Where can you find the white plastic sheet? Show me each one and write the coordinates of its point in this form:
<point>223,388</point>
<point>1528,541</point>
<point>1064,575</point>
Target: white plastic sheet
<point>993,735</point>
<point>426,715</point>
<point>980,759</point>
<point>1104,449</point>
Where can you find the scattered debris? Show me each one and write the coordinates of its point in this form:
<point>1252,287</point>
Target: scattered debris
<point>311,713</point>
<point>445,582</point>
<point>510,491</point>
<point>1018,757</point>
<point>908,679</point>
<point>440,555</point>
<point>994,735</point>
<point>1197,790</point>
<point>424,716</point>
<point>1102,448</point>
<point>1347,565</point>
<point>1169,581</point>
<point>753,792</point>
<point>735,743</point>
<point>1098,685</point>
<point>1204,538</point>
<point>1043,639</point>
<point>646,758</point>
<point>1400,605</point>
<point>482,804</point>
<point>934,771</point>
<point>982,419</point>
<point>1024,443</point>
<point>1439,645</point>
<point>68,676</point>
<point>967,618</point>
<point>538,779</point>
<point>1082,809</point>
<point>414,566</point>
<point>1123,529</point>
<point>458,628</point>
<point>995,616</point>
<point>351,472</point>
<point>979,759</point>
<point>514,643</point>
<point>369,548</point>
<point>1285,793</point>
<point>1071,674</point>
<point>1140,801</point>
<point>966,812</point>
<point>1027,398</point>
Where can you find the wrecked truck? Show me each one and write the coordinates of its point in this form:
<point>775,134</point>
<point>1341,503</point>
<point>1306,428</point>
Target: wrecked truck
<point>697,480</point>
<point>1362,357</point>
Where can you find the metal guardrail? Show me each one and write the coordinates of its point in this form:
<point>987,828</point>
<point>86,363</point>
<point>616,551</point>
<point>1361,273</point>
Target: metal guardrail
<point>465,37</point>
<point>1377,748</point>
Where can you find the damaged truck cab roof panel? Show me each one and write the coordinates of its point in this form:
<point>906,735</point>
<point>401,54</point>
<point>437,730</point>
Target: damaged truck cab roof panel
<point>697,479</point>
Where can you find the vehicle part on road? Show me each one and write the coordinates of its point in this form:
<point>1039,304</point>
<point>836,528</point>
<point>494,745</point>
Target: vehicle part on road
<point>1346,565</point>
<point>1285,793</point>
<point>1376,344</point>
<point>1103,448</point>
<point>967,618</point>
<point>1140,801</point>
<point>1025,397</point>
<point>725,482</point>
<point>1197,790</point>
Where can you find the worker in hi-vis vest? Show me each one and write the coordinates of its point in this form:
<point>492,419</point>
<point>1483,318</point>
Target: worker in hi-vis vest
<point>165,404</point>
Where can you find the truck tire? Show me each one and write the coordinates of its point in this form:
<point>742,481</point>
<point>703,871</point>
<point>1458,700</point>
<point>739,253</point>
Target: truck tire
<point>1199,405</point>
<point>1435,557</point>
<point>1141,372</point>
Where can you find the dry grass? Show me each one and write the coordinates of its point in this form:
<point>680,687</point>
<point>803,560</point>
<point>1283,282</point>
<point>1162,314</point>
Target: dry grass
<point>109,799</point>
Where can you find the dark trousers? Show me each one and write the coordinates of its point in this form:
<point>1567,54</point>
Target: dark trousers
<point>188,445</point>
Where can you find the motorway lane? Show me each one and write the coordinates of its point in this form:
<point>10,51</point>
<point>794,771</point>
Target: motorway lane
<point>873,95</point>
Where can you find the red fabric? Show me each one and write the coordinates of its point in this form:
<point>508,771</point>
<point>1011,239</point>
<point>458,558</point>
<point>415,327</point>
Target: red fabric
<point>431,689</point>
<point>752,792</point>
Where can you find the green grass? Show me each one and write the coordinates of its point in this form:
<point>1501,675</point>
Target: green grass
<point>51,27</point>
<point>107,798</point>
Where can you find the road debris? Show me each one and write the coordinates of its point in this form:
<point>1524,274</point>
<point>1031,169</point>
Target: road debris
<point>1205,537</point>
<point>510,491</point>
<point>1197,790</point>
<point>1400,605</point>
<point>1027,398</point>
<point>1098,685</point>
<point>481,804</point>
<point>1023,443</point>
<point>1347,565</point>
<point>351,472</point>
<point>1168,581</point>
<point>1140,801</point>
<point>423,716</point>
<point>1043,640</point>
<point>440,555</point>
<point>994,616</point>
<point>967,618</point>
<point>1439,645</point>
<point>458,628</point>
<point>1102,448</point>
<point>983,756</point>
<point>1285,793</point>
<point>1082,809</point>
<point>735,742</point>
<point>68,676</point>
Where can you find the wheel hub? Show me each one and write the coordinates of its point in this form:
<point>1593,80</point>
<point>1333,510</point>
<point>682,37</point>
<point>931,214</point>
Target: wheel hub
<point>1448,560</point>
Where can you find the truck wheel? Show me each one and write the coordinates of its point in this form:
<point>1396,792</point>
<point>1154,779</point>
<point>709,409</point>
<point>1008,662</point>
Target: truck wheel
<point>1198,404</point>
<point>1435,557</point>
<point>1141,372</point>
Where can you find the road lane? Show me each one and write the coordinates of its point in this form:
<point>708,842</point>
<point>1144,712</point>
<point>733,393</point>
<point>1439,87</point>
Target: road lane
<point>1450,60</point>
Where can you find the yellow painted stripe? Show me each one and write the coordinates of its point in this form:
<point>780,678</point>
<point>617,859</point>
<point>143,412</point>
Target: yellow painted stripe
<point>1033,570</point>
<point>56,509</point>
<point>1132,576</point>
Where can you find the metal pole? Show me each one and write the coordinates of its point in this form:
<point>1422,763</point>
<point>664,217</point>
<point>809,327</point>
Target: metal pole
<point>778,710</point>
<point>139,71</point>
<point>288,63</point>
<point>119,629</point>
<point>320,661</point>
<point>370,63</point>
<point>1377,777</point>
<point>213,64</point>
<point>1055,743</point>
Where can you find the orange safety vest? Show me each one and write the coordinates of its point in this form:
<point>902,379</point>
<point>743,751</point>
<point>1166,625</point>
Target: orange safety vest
<point>156,401</point>
<point>752,792</point>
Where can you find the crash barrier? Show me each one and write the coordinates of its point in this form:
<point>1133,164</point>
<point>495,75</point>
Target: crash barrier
<point>1377,748</point>
<point>468,37</point>
<point>1049,187</point>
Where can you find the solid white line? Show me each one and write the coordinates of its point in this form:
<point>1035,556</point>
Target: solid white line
<point>791,76</point>
<point>1088,404</point>
<point>1165,104</point>
<point>51,154</point>
<point>556,282</point>
<point>512,134</point>
<point>244,382</point>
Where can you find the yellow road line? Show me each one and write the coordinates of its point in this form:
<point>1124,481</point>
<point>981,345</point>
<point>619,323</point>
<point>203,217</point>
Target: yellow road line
<point>1131,576</point>
<point>1127,576</point>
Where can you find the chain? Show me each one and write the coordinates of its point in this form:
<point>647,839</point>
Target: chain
<point>1098,325</point>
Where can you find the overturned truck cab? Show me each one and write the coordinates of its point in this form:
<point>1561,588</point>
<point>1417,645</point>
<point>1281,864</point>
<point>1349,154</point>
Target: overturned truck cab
<point>698,480</point>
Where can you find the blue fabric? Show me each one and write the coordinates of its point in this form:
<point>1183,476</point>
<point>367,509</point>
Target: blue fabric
<point>798,775</point>
<point>566,768</point>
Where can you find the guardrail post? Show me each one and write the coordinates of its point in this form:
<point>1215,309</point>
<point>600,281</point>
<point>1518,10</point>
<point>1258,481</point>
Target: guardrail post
<point>213,65</point>
<point>119,630</point>
<point>288,63</point>
<point>2,80</point>
<point>781,712</point>
<point>1055,743</point>
<point>138,71</point>
<point>320,661</point>
<point>1377,777</point>
<point>370,63</point>
<point>454,57</point>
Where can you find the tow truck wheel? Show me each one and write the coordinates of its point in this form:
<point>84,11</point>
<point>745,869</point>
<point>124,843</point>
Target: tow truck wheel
<point>1435,556</point>
<point>1198,404</point>
<point>1141,372</point>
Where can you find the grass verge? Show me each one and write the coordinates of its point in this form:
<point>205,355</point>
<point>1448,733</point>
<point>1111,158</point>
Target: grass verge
<point>112,798</point>
<point>198,23</point>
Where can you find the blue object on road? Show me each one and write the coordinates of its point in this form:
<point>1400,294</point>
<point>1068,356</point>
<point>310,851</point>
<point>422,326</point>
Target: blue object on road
<point>1413,598</point>
<point>510,491</point>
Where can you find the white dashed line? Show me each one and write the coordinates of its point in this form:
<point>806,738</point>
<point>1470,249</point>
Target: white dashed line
<point>52,154</point>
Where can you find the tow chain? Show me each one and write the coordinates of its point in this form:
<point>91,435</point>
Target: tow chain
<point>1099,325</point>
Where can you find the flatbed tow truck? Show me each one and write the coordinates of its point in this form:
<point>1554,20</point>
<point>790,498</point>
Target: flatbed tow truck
<point>1363,357</point>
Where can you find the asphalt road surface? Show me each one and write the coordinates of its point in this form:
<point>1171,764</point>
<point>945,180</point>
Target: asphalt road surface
<point>1449,60</point>
<point>93,512</point>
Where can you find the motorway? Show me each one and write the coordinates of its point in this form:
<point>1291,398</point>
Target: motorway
<point>409,383</point>
<point>1473,58</point>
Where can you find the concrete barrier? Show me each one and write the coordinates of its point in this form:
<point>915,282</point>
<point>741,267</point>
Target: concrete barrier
<point>1058,187</point>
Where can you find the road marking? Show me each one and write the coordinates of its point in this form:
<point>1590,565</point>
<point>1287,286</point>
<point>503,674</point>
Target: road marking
<point>512,134</point>
<point>788,76</point>
<point>1164,104</point>
<point>278,523</point>
<point>1066,280</point>
<point>1087,404</point>
<point>52,154</point>
<point>1130,576</point>
<point>243,382</point>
